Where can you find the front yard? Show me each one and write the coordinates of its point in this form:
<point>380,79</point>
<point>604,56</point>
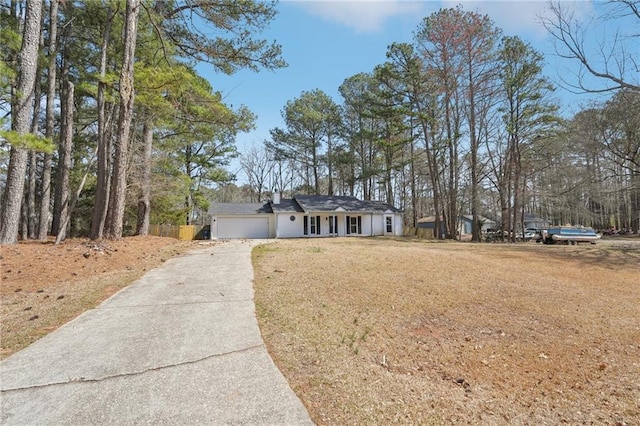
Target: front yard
<point>393,331</point>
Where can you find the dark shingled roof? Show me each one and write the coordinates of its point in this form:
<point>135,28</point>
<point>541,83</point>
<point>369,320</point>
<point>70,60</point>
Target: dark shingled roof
<point>303,204</point>
<point>379,206</point>
<point>239,208</point>
<point>286,206</point>
<point>329,203</point>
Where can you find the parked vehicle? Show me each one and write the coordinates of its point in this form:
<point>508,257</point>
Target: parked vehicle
<point>569,235</point>
<point>531,234</point>
<point>493,235</point>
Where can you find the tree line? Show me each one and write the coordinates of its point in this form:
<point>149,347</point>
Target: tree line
<point>108,126</point>
<point>105,114</point>
<point>462,121</point>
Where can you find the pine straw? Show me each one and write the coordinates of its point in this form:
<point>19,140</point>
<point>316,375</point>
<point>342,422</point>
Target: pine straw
<point>46,285</point>
<point>381,331</point>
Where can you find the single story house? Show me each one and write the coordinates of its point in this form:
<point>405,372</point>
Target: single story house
<point>304,216</point>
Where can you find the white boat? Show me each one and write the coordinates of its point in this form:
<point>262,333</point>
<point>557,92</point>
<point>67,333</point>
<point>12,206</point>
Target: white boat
<point>569,235</point>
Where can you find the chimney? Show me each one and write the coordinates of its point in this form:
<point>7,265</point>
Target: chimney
<point>276,197</point>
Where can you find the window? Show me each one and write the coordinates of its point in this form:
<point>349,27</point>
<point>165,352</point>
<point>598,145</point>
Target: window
<point>354,224</point>
<point>311,225</point>
<point>389,223</point>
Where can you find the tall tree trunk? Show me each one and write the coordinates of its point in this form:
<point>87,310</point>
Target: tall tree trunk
<point>330,164</point>
<point>517,172</point>
<point>62,190</point>
<point>412,178</point>
<point>30,210</point>
<point>104,141</point>
<point>66,146</point>
<point>45,188</point>
<point>388,173</point>
<point>31,196</point>
<point>473,136</point>
<point>503,191</point>
<point>364,166</point>
<point>27,59</point>
<point>32,177</point>
<point>635,208</point>
<point>434,175</point>
<point>188,171</point>
<point>67,218</point>
<point>45,197</point>
<point>316,167</point>
<point>144,199</point>
<point>451,209</point>
<point>117,198</point>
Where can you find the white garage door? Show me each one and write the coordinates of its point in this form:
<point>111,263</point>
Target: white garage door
<point>248,227</point>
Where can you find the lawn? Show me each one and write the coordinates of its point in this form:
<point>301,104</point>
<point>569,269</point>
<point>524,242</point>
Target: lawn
<point>398,331</point>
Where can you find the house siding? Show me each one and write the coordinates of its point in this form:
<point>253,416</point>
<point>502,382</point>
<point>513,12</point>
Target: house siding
<point>398,226</point>
<point>371,225</point>
<point>377,222</point>
<point>367,224</point>
<point>325,215</point>
<point>286,228</point>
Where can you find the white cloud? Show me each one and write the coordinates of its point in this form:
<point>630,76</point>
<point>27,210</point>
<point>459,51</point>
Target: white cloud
<point>514,17</point>
<point>519,16</point>
<point>368,16</point>
<point>363,16</point>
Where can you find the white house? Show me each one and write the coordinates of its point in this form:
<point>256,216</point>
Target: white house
<point>304,216</point>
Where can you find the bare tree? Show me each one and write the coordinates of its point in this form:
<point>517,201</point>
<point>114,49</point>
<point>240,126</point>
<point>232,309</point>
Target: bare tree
<point>257,166</point>
<point>478,52</point>
<point>615,61</point>
<point>440,42</point>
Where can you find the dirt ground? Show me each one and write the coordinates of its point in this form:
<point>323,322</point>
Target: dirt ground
<point>44,285</point>
<point>378,331</point>
<point>383,331</point>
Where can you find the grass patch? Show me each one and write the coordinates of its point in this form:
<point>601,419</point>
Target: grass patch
<point>382,331</point>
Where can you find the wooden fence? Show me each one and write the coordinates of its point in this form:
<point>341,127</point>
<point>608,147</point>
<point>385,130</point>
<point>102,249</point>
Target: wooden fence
<point>180,232</point>
<point>420,233</point>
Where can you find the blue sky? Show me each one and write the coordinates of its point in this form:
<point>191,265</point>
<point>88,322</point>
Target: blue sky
<point>325,42</point>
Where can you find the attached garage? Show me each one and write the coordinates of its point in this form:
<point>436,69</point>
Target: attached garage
<point>241,220</point>
<point>242,227</point>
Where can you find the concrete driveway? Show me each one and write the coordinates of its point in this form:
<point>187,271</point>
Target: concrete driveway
<point>179,346</point>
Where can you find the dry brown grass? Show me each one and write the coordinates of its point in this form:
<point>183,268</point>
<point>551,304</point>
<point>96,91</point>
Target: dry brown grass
<point>380,331</point>
<point>46,285</point>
